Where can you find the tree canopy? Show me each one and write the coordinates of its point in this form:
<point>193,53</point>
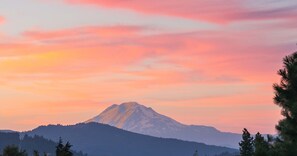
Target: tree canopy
<point>286,98</point>
<point>246,145</point>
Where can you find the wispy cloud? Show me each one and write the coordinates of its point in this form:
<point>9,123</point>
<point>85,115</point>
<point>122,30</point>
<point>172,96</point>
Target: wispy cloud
<point>100,31</point>
<point>214,11</point>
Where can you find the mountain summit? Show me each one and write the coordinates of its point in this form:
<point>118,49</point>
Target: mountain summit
<point>138,118</point>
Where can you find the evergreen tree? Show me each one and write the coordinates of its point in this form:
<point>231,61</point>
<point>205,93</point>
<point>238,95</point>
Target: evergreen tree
<point>66,149</point>
<point>286,98</point>
<point>63,150</point>
<point>35,153</point>
<point>196,153</point>
<point>261,146</point>
<point>59,148</point>
<point>274,148</point>
<point>246,145</point>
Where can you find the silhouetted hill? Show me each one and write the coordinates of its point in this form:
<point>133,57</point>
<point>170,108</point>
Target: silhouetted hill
<point>104,140</point>
<point>8,131</point>
<point>29,143</point>
<point>8,139</point>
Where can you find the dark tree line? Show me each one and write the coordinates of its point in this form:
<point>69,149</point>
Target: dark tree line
<point>14,151</point>
<point>285,144</point>
<point>61,150</point>
<point>33,145</point>
<point>256,146</point>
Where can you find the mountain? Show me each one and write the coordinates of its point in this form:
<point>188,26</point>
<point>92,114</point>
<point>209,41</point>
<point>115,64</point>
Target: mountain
<point>138,118</point>
<point>7,131</point>
<point>8,139</point>
<point>29,144</point>
<point>103,140</point>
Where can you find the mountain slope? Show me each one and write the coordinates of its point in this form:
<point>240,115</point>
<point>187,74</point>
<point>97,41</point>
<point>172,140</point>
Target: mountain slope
<point>104,140</point>
<point>137,118</point>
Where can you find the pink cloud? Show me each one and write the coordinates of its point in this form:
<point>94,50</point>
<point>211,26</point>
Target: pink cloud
<point>2,19</point>
<point>100,31</point>
<point>84,50</point>
<point>217,11</point>
<point>121,63</point>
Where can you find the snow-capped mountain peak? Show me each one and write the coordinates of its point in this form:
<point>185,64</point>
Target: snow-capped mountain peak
<point>134,117</point>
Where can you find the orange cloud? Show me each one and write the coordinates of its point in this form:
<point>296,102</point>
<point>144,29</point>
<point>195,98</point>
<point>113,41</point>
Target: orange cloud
<point>197,57</point>
<point>58,51</point>
<point>84,65</point>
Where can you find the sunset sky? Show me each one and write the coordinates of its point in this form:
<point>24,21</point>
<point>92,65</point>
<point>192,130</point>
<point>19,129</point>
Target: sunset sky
<point>204,62</point>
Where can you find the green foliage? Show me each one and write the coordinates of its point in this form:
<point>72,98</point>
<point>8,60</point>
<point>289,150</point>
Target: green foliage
<point>246,145</point>
<point>13,151</point>
<point>261,146</point>
<point>286,98</point>
<point>274,147</point>
<point>63,150</point>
